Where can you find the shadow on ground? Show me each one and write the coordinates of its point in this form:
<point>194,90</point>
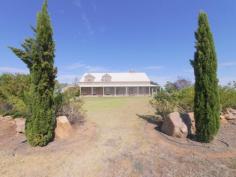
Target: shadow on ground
<point>153,119</point>
<point>158,121</point>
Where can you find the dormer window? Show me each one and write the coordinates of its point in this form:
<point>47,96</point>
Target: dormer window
<point>106,78</point>
<point>89,78</point>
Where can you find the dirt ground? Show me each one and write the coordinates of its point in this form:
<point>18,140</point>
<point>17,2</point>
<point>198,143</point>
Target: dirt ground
<point>118,139</point>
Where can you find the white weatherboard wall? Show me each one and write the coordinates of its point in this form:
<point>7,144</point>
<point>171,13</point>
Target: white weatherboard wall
<point>130,83</point>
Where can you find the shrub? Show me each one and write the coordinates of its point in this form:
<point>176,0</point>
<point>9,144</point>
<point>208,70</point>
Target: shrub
<point>72,110</point>
<point>164,103</point>
<point>206,99</point>
<point>18,107</point>
<point>179,84</point>
<point>185,99</point>
<point>38,54</point>
<point>68,104</point>
<point>13,94</point>
<point>182,100</point>
<point>227,97</point>
<point>72,92</point>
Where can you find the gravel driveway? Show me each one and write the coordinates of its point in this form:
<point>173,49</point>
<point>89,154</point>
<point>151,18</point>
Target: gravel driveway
<point>116,141</point>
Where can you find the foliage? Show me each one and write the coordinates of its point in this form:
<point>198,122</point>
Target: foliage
<point>181,83</point>
<point>227,97</point>
<point>180,100</point>
<point>206,99</point>
<point>164,102</point>
<point>170,87</point>
<point>185,99</point>
<point>13,94</point>
<point>38,55</point>
<point>68,104</point>
<point>72,109</point>
<point>72,92</point>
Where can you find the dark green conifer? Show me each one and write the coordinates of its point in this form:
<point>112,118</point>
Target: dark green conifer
<point>206,101</point>
<point>38,54</point>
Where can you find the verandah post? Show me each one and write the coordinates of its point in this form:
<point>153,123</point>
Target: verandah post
<point>92,90</point>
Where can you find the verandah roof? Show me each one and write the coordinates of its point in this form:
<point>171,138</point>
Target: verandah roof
<point>126,85</point>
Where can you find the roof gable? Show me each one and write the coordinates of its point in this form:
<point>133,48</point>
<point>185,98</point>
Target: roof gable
<point>119,77</point>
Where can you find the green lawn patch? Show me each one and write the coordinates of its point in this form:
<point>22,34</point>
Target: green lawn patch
<point>106,103</point>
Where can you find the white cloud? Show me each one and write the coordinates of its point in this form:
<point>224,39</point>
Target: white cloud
<point>84,16</point>
<point>75,66</point>
<point>13,70</point>
<point>87,23</point>
<point>95,68</point>
<point>87,68</point>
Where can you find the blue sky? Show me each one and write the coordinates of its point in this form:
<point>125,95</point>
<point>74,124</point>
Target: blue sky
<point>152,36</point>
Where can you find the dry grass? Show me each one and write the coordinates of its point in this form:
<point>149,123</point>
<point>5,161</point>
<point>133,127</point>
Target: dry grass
<point>115,142</point>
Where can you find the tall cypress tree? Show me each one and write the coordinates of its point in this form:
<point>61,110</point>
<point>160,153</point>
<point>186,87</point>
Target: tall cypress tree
<point>206,101</point>
<point>38,54</point>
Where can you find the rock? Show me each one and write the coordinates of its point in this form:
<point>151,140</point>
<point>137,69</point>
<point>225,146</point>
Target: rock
<point>190,122</point>
<point>230,114</point>
<point>174,126</point>
<point>63,127</point>
<point>7,118</point>
<point>223,120</point>
<point>20,125</point>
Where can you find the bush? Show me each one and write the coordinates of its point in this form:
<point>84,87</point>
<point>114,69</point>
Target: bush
<point>227,97</point>
<point>182,100</point>
<point>68,104</point>
<point>72,110</point>
<point>13,94</point>
<point>185,99</point>
<point>72,92</point>
<point>179,84</point>
<point>166,102</point>
<point>14,98</point>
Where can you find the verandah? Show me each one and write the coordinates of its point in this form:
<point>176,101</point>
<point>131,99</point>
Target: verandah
<point>116,91</point>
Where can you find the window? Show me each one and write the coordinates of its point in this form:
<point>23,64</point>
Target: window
<point>106,78</point>
<point>89,78</point>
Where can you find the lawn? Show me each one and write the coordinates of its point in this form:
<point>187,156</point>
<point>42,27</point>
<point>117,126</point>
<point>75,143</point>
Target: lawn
<point>115,141</point>
<point>95,104</point>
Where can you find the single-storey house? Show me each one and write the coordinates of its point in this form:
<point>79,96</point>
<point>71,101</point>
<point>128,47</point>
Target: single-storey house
<point>116,84</point>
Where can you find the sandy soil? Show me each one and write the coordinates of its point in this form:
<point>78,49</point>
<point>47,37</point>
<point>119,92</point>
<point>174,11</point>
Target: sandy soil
<point>118,140</point>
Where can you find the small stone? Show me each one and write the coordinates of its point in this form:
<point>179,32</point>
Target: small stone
<point>223,119</point>
<point>230,114</point>
<point>20,125</point>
